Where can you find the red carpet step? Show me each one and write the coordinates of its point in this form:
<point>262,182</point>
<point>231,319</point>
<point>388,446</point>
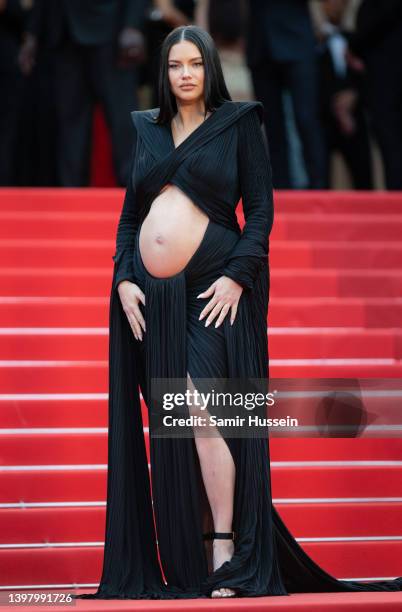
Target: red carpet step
<point>94,282</point>
<point>284,312</point>
<point>316,482</point>
<point>301,343</point>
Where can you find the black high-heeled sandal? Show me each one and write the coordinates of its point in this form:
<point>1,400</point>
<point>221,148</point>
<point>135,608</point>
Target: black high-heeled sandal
<point>221,535</point>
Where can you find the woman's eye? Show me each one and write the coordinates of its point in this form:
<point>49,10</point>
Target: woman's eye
<point>177,65</point>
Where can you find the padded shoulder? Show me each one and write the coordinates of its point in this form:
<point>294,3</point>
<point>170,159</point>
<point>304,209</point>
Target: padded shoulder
<point>247,105</point>
<point>142,118</point>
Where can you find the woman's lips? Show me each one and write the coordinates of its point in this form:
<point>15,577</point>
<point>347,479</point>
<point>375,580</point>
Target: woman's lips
<point>187,86</point>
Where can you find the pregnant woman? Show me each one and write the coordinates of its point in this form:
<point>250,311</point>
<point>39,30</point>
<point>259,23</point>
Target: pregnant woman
<point>189,301</point>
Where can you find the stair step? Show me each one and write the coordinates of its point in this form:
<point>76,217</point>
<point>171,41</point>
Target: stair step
<point>100,199</point>
<point>67,253</point>
<point>319,226</point>
<point>381,401</point>
<point>333,202</point>
<point>48,199</point>
<point>83,564</point>
<point>341,283</point>
<point>335,368</point>
<point>92,376</point>
<point>69,311</point>
<point>341,254</point>
<point>374,522</point>
<point>40,377</point>
<point>91,448</point>
<point>95,282</point>
<point>74,225</point>
<point>331,311</point>
<point>318,480</point>
<point>87,344</point>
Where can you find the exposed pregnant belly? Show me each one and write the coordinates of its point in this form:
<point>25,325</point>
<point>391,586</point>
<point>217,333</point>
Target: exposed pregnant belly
<point>171,232</point>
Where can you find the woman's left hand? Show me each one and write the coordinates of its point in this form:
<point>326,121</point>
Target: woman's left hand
<point>226,295</point>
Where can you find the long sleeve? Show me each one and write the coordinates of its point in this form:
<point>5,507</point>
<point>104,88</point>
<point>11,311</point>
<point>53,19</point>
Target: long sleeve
<point>255,176</point>
<point>126,230</point>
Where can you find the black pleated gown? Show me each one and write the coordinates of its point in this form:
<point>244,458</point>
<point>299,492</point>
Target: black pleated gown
<point>224,159</point>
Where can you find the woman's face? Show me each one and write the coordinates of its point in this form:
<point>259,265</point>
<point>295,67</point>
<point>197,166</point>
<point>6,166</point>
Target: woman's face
<point>186,71</point>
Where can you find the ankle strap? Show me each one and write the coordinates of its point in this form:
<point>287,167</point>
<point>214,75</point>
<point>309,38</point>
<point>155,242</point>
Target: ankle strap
<point>222,535</point>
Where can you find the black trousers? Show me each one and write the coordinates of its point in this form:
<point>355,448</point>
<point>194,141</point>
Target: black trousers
<point>354,148</point>
<point>384,96</point>
<point>300,78</point>
<point>11,85</point>
<point>83,75</point>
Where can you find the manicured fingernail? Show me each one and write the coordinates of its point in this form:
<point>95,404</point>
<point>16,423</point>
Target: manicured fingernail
<point>207,323</point>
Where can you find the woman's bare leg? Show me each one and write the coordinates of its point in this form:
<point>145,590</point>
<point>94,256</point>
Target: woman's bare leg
<point>218,473</point>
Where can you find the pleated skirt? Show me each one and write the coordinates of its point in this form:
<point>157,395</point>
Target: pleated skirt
<point>175,343</point>
<point>267,559</point>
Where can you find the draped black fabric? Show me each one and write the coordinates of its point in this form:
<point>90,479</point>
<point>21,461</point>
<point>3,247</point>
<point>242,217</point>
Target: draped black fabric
<point>224,158</point>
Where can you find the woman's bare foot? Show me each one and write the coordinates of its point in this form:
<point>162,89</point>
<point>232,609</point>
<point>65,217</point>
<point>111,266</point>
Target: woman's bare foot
<point>222,551</point>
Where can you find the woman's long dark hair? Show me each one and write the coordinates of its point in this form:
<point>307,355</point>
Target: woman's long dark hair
<point>215,90</point>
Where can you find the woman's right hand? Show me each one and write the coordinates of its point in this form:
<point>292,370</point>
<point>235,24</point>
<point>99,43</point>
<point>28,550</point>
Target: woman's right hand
<point>130,296</point>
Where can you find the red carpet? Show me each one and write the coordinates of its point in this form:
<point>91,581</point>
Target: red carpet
<point>336,307</point>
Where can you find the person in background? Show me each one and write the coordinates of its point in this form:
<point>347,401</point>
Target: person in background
<point>13,18</point>
<point>281,54</point>
<point>96,49</point>
<point>342,104</point>
<point>225,20</point>
<point>374,50</point>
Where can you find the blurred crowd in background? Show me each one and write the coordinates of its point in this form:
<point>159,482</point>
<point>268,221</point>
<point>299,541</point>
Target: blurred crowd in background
<point>329,74</point>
